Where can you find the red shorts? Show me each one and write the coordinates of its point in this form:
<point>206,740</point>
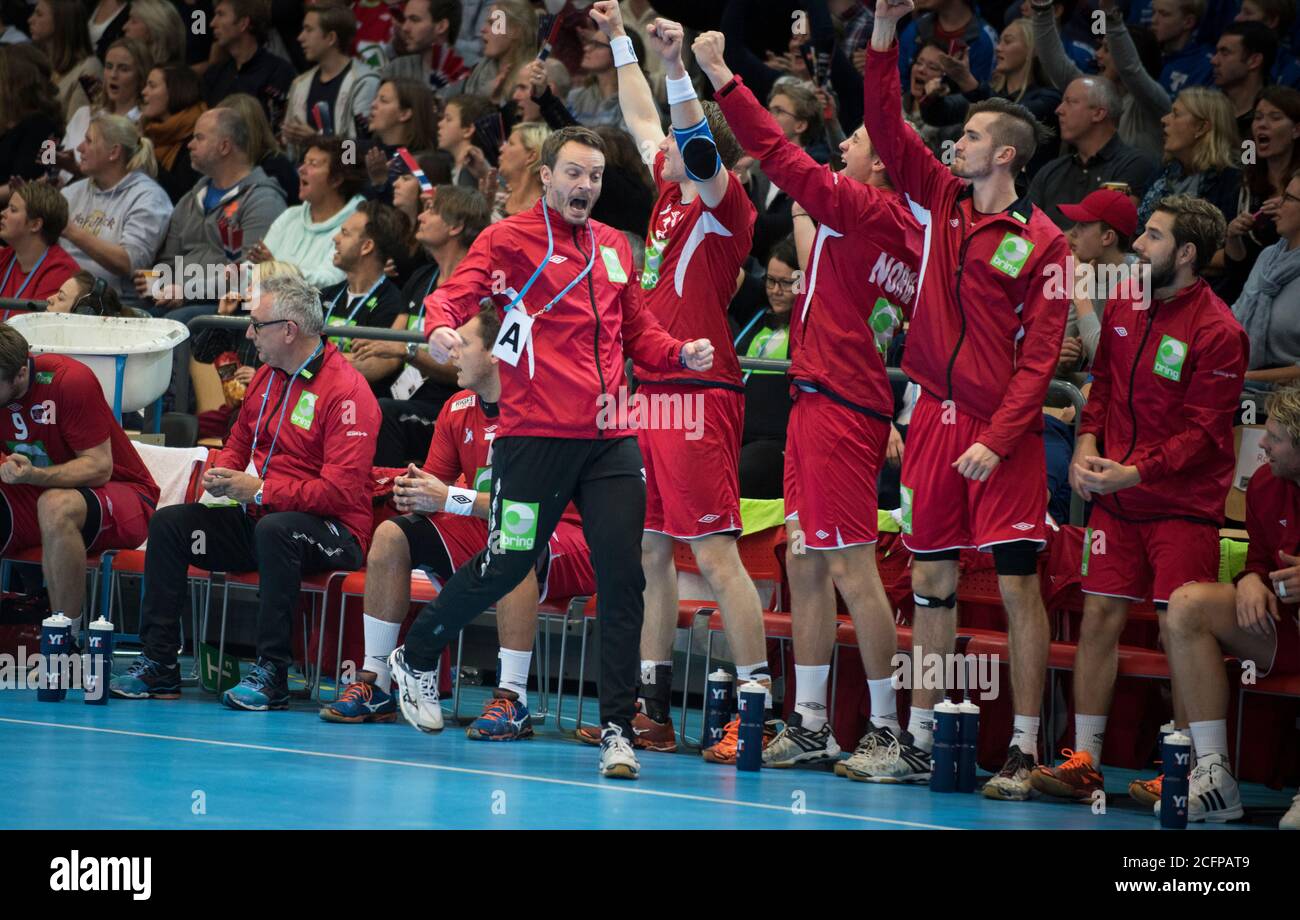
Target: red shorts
<point>1146,559</point>
<point>566,571</point>
<point>123,516</point>
<point>832,460</point>
<point>692,460</point>
<point>944,510</point>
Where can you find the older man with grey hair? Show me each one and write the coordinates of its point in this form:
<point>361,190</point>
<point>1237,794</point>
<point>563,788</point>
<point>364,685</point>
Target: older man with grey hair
<point>1089,117</point>
<point>290,495</point>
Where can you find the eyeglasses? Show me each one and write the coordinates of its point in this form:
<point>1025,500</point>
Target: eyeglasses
<point>777,110</point>
<point>785,285</point>
<point>258,327</point>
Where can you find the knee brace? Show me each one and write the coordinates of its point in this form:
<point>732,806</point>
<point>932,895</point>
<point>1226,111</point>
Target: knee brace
<point>923,600</point>
<point>1020,557</point>
<point>699,152</point>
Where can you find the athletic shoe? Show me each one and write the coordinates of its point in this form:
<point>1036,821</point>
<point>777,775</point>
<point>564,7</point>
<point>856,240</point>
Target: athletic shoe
<point>146,679</point>
<point>1012,782</point>
<point>361,702</point>
<point>265,687</point>
<point>1146,791</point>
<point>650,735</point>
<point>617,759</point>
<point>417,693</point>
<point>728,745</point>
<point>504,719</point>
<point>1075,779</point>
<point>864,744</point>
<point>1291,820</point>
<point>796,744</point>
<point>886,757</point>
<point>1212,792</point>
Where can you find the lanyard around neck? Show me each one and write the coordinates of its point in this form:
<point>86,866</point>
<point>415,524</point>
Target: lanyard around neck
<point>284,404</point>
<point>374,287</point>
<point>30,275</point>
<point>550,251</point>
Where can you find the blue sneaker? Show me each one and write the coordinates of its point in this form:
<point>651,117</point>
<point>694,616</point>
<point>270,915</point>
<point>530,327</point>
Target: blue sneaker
<point>265,687</point>
<point>361,702</point>
<point>504,719</point>
<point>147,679</point>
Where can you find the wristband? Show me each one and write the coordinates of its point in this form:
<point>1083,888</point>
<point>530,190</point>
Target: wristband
<point>680,89</point>
<point>623,51</point>
<point>459,501</point>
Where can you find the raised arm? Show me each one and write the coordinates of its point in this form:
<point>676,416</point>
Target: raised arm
<point>1060,70</point>
<point>634,96</point>
<point>1145,88</point>
<point>690,130</point>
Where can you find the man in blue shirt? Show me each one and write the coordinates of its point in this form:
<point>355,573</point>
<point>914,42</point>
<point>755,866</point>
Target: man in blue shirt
<point>1184,61</point>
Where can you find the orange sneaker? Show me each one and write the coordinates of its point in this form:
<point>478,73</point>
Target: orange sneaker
<point>725,750</point>
<point>1074,779</point>
<point>650,735</point>
<point>1146,791</point>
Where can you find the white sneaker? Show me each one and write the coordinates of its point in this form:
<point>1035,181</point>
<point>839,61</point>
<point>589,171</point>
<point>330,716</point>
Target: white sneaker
<point>1212,792</point>
<point>617,759</point>
<point>1291,820</point>
<point>416,692</point>
<point>795,744</point>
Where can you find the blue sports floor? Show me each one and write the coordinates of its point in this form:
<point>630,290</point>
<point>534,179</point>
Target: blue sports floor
<point>194,764</point>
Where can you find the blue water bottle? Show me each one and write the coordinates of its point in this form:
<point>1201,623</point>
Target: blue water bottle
<point>969,734</point>
<point>719,704</point>
<point>947,726</point>
<point>749,753</point>
<point>56,642</point>
<point>99,662</point>
<point>1176,751</point>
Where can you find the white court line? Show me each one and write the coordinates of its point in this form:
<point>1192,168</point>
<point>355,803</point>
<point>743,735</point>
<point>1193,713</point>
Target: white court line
<point>614,786</point>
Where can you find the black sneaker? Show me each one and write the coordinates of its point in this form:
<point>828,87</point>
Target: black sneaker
<point>265,687</point>
<point>884,756</point>
<point>147,679</point>
<point>1012,782</point>
<point>795,744</point>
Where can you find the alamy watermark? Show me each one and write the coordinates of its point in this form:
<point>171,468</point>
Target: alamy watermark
<point>932,671</point>
<point>626,411</point>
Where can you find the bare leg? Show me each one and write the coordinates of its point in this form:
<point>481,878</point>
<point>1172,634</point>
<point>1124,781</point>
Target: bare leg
<point>934,631</point>
<point>61,514</point>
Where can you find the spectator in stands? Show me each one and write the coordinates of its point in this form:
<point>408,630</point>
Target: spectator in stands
<point>12,16</point>
<point>952,23</point>
<point>1242,61</point>
<point>1267,307</point>
<point>1253,619</point>
<point>1089,122</point>
<point>401,116</point>
<point>1143,101</point>
<point>927,65</point>
<point>1101,234</point>
<point>228,212</point>
<point>1017,76</point>
<point>428,32</point>
<point>75,294</point>
<point>30,115</point>
<point>331,96</point>
<point>767,393</point>
<point>69,470</point>
<point>126,68</point>
<point>542,86</point>
<point>329,187</point>
<point>32,263</point>
<point>410,198</point>
<point>305,509</point>
<point>1276,132</point>
<point>117,214</point>
<point>263,149</point>
<point>520,167</point>
<point>628,193</point>
<point>1279,16</point>
<point>1201,153</point>
<point>1185,61</point>
<point>107,24</point>
<point>458,135</point>
<point>372,235</point>
<point>58,27</point>
<point>157,25</point>
<point>595,102</point>
<point>172,102</point>
<point>240,28</point>
<point>503,51</point>
<point>451,222</point>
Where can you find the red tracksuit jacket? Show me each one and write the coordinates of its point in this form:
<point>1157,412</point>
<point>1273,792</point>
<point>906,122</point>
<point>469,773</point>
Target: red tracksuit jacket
<point>1272,521</point>
<point>984,332</point>
<point>579,344</point>
<point>1166,386</point>
<point>326,443</point>
<point>861,277</point>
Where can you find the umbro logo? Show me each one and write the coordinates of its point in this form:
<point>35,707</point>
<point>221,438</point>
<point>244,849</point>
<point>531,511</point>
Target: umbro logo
<point>1121,331</point>
<point>1283,522</point>
<point>822,535</point>
<point>1023,526</point>
<point>469,435</point>
<point>708,519</point>
<point>556,260</point>
<point>953,221</point>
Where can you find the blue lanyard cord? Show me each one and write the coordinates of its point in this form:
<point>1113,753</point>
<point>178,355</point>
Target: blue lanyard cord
<point>374,287</point>
<point>284,405</point>
<point>749,326</point>
<point>30,275</point>
<point>550,251</point>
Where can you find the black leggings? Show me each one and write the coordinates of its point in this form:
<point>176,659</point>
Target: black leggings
<point>533,480</point>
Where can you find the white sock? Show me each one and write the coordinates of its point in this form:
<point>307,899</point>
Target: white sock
<point>758,672</point>
<point>810,694</point>
<point>884,704</point>
<point>514,672</point>
<point>1187,730</point>
<point>381,639</point>
<point>1089,735</point>
<point>1211,738</point>
<point>75,628</point>
<point>920,725</point>
<point>1024,734</point>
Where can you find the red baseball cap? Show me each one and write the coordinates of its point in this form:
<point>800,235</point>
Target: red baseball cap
<point>1108,206</point>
